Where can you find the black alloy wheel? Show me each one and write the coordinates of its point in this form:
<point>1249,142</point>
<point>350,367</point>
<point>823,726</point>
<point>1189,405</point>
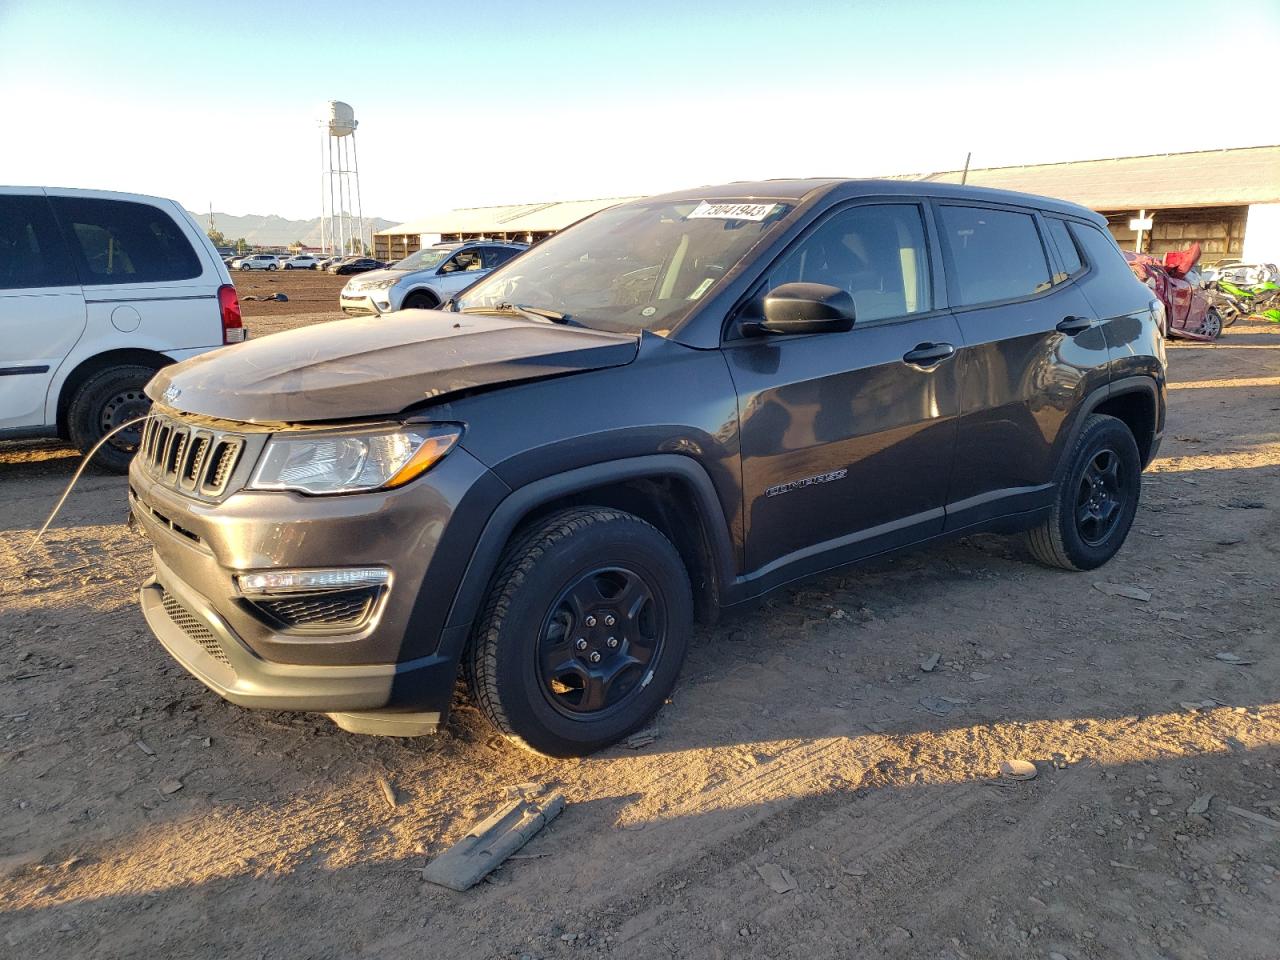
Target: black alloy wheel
<point>1100,498</point>
<point>603,633</point>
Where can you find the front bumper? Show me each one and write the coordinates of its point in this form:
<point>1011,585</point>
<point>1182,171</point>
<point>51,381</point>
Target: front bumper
<point>401,659</point>
<point>361,305</point>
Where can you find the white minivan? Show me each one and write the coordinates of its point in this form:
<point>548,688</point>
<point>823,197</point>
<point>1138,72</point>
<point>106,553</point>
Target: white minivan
<point>98,291</point>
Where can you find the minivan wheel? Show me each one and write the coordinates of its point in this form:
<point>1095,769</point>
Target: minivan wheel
<point>583,633</point>
<point>105,401</point>
<point>1095,501</point>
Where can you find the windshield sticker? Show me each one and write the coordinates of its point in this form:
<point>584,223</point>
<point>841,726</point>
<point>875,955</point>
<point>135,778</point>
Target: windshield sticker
<point>731,211</point>
<point>701,288</point>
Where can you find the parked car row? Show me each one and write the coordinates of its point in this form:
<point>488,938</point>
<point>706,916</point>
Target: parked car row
<point>301,261</point>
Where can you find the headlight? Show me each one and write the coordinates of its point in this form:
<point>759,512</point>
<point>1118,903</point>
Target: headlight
<point>352,461</point>
<point>379,284</point>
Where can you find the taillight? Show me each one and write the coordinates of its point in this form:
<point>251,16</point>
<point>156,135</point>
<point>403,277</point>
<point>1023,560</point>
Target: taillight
<point>229,305</point>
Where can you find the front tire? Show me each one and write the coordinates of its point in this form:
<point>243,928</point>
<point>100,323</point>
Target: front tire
<point>420,301</point>
<point>583,633</point>
<point>107,400</point>
<point>1096,499</point>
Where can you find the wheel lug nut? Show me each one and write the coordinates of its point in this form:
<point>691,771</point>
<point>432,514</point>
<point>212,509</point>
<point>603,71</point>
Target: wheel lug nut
<point>591,621</point>
<point>581,644</point>
<point>612,641</point>
<point>595,656</point>
<point>609,620</point>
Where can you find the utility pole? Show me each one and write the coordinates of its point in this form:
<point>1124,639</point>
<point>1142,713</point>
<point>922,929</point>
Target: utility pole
<point>964,177</point>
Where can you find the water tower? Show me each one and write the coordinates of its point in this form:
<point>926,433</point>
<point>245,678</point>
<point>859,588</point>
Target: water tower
<point>341,215</point>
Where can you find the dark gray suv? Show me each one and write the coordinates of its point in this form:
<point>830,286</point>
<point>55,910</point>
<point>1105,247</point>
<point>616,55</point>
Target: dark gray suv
<point>666,410</point>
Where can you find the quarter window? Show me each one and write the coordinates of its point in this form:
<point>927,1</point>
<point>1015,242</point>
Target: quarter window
<point>995,254</point>
<point>877,252</point>
<point>1067,251</point>
<point>117,241</point>
<point>32,253</point>
<point>1099,247</point>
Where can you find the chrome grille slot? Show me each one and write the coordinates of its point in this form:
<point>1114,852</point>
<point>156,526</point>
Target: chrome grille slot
<point>199,462</point>
<point>225,454</point>
<point>193,461</point>
<point>173,456</point>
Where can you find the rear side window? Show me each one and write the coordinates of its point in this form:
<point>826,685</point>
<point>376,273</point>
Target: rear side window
<point>32,253</point>
<point>1099,248</point>
<point>995,254</point>
<point>1066,247</point>
<point>495,256</point>
<point>117,241</point>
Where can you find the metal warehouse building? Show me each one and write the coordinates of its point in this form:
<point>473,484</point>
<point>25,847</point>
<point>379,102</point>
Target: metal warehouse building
<point>1226,200</point>
<point>525,222</point>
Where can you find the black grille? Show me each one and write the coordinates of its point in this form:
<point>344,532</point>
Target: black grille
<point>195,460</point>
<point>345,608</point>
<point>194,628</point>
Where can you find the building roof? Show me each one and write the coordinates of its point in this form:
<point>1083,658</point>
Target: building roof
<point>1228,177</point>
<point>1206,178</point>
<point>513,218</point>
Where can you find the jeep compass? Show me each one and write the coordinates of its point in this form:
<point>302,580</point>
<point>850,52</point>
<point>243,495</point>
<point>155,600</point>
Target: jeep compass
<point>665,410</point>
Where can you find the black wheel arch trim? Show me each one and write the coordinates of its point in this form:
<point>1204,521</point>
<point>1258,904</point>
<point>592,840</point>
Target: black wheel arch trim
<point>1109,391</point>
<point>525,500</point>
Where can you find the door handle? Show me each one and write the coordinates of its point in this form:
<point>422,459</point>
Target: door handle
<point>1073,325</point>
<point>928,354</point>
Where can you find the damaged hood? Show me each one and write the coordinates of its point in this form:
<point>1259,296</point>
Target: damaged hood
<point>378,365</point>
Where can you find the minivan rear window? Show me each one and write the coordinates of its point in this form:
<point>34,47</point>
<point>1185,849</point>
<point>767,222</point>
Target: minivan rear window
<point>119,241</point>
<point>995,254</point>
<point>32,253</point>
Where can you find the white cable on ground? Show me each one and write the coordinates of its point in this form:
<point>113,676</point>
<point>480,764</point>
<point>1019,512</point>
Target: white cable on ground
<point>83,463</point>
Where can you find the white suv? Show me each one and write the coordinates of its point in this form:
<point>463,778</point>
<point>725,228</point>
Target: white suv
<point>303,261</point>
<point>98,291</point>
<point>426,279</point>
<point>257,261</point>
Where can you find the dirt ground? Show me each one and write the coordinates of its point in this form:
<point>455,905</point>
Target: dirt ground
<point>140,816</point>
<point>313,296</point>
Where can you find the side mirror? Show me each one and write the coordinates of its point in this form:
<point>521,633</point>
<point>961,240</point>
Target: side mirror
<point>806,308</point>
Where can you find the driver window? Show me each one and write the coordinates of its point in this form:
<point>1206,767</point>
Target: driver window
<point>878,253</point>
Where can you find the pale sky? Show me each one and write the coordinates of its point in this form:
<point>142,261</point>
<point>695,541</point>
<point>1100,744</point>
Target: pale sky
<point>502,102</point>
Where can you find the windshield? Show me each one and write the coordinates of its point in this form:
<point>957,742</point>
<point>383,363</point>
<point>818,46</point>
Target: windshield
<point>422,260</point>
<point>642,266</point>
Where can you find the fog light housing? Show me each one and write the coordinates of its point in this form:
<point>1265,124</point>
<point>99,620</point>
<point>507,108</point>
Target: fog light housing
<point>335,602</point>
<point>271,582</point>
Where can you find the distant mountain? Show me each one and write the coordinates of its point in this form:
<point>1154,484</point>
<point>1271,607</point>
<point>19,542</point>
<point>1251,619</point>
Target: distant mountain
<point>274,231</point>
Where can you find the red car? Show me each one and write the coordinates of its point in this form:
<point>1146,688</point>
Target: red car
<point>1188,312</point>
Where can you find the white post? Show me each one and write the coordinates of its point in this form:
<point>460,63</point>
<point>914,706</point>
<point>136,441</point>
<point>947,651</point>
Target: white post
<point>1142,215</point>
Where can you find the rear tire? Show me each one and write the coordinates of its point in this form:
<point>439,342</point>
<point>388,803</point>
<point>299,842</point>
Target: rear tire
<point>106,400</point>
<point>1096,499</point>
<point>583,633</point>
